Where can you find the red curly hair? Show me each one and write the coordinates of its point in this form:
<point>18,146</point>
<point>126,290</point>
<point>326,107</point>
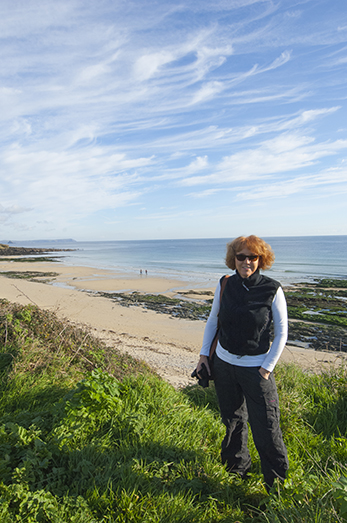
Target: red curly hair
<point>255,245</point>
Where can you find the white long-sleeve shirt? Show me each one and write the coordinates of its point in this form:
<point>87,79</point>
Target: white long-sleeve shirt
<point>268,360</point>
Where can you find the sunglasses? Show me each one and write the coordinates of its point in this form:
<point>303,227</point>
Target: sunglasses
<point>250,257</point>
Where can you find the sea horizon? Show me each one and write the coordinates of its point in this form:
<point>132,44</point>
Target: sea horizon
<point>73,240</point>
<point>297,258</point>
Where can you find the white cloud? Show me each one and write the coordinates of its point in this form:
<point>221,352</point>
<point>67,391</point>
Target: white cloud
<point>108,105</point>
<point>207,92</point>
<point>296,185</point>
<point>284,153</point>
<point>309,116</point>
<point>71,183</point>
<point>278,62</point>
<point>13,209</point>
<point>204,194</point>
<point>147,65</point>
<point>201,162</point>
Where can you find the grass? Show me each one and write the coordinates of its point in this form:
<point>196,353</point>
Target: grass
<point>88,435</point>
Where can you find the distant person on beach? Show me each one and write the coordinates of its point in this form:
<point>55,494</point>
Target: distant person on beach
<point>244,358</point>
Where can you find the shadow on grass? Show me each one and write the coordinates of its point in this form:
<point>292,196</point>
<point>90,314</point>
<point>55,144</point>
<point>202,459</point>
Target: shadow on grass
<point>111,462</point>
<point>202,397</point>
<point>103,475</point>
<point>331,421</point>
<point>8,357</point>
<point>6,363</point>
<point>23,408</point>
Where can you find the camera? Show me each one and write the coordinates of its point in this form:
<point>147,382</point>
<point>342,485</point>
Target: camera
<point>203,377</point>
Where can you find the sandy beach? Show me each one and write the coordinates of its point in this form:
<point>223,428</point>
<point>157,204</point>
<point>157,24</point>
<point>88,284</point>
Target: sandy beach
<point>169,345</point>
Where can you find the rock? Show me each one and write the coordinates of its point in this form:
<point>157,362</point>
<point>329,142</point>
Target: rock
<point>5,250</point>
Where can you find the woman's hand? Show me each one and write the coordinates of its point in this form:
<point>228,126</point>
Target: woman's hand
<point>203,360</point>
<point>265,373</point>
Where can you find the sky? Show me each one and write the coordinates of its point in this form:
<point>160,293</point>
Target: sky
<point>166,119</point>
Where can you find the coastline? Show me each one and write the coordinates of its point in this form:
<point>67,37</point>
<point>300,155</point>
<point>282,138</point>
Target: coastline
<point>169,345</point>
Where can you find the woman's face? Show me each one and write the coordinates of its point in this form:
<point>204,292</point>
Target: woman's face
<point>246,267</point>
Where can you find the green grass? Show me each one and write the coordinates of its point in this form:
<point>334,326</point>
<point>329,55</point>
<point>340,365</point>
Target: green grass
<point>89,436</point>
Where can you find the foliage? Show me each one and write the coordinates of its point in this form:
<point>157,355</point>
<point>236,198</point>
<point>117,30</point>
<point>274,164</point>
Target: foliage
<point>35,341</point>
<point>340,494</point>
<point>86,436</point>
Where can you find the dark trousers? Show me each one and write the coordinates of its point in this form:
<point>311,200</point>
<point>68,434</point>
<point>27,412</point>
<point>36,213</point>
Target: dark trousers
<point>244,395</point>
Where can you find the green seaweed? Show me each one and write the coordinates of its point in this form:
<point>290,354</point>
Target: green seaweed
<point>29,275</point>
<point>175,307</point>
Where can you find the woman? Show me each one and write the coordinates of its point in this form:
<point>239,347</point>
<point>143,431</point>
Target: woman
<point>244,359</point>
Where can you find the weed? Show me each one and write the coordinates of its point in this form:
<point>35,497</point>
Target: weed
<point>88,436</point>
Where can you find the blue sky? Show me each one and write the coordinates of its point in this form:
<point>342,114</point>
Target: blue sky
<point>167,119</point>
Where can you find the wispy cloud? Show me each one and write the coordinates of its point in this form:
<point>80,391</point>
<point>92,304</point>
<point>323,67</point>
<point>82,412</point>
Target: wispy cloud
<point>299,184</point>
<point>112,107</point>
<point>284,153</point>
<point>204,194</point>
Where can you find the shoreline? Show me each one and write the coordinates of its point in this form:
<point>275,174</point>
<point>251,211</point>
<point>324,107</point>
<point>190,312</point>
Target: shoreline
<point>169,345</point>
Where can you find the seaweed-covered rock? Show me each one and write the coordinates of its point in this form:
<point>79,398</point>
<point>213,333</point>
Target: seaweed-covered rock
<point>6,250</point>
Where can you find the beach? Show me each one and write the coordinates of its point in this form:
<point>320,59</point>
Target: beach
<point>169,345</point>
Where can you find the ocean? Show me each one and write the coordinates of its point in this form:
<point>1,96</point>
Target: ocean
<point>298,259</point>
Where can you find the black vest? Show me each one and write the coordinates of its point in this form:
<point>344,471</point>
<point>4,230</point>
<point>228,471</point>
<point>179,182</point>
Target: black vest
<point>245,314</point>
